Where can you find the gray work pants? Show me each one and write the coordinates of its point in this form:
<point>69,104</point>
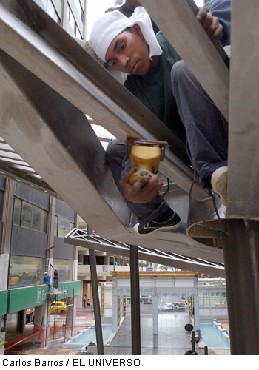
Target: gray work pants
<point>206,133</point>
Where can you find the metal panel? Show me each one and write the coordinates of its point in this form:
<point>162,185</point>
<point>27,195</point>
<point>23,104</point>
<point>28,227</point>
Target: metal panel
<point>22,298</point>
<point>33,196</point>
<point>3,302</point>
<point>241,254</point>
<point>20,246</point>
<point>176,19</point>
<point>2,182</point>
<point>64,210</point>
<point>71,288</point>
<point>63,250</point>
<point>243,175</point>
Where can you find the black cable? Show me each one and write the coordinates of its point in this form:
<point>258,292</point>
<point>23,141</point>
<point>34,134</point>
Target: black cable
<point>167,189</point>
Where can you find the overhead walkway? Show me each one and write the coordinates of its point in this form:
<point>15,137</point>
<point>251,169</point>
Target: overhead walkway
<point>48,82</point>
<point>82,238</point>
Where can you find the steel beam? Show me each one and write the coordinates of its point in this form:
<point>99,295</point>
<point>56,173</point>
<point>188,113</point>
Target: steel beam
<point>243,175</point>
<point>59,143</point>
<point>97,311</point>
<point>135,302</point>
<point>241,255</point>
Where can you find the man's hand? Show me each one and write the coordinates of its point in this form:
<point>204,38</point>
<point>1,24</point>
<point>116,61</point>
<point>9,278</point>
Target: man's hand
<point>143,191</point>
<point>211,24</point>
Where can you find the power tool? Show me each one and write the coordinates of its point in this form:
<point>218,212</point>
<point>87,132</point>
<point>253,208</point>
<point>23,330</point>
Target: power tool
<point>145,157</point>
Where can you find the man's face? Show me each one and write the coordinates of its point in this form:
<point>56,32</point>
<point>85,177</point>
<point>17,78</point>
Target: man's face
<point>129,52</point>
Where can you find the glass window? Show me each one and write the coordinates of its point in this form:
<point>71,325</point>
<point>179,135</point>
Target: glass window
<point>26,216</point>
<point>29,216</point>
<point>17,211</point>
<point>80,259</point>
<point>25,271</point>
<point>39,220</point>
<point>44,220</point>
<point>64,269</point>
<point>79,9</point>
<point>36,218</point>
<point>56,226</point>
<point>77,32</point>
<point>73,23</point>
<point>63,227</point>
<point>86,260</point>
<point>51,10</point>
<point>99,260</point>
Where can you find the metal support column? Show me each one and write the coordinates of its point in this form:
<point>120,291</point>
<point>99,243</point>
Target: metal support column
<point>155,312</point>
<point>241,255</point>
<point>114,313</point>
<point>196,311</point>
<point>135,302</point>
<point>96,303</point>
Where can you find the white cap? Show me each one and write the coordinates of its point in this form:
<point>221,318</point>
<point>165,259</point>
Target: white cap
<point>111,24</point>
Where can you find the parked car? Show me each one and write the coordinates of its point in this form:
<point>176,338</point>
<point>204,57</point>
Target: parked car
<point>180,306</point>
<point>167,307</point>
<point>58,307</point>
<point>146,299</point>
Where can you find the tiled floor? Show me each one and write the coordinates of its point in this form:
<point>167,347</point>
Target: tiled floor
<point>171,339</point>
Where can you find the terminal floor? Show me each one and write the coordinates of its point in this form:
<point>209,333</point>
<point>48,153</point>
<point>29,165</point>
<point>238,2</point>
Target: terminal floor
<point>171,339</point>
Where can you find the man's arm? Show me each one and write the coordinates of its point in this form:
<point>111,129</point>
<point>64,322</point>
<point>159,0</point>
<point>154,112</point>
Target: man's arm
<point>222,10</point>
<point>217,20</point>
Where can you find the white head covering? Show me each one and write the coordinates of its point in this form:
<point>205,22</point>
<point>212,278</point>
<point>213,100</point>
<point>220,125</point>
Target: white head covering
<point>111,24</point>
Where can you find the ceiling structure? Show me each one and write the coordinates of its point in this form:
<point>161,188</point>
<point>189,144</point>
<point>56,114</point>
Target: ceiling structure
<point>82,238</point>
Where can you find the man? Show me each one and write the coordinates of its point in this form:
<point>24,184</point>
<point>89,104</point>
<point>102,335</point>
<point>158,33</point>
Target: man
<point>29,316</point>
<point>158,78</point>
<point>55,279</point>
<point>47,280</point>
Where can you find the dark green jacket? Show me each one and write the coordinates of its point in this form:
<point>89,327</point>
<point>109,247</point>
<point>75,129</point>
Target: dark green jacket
<point>154,89</point>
